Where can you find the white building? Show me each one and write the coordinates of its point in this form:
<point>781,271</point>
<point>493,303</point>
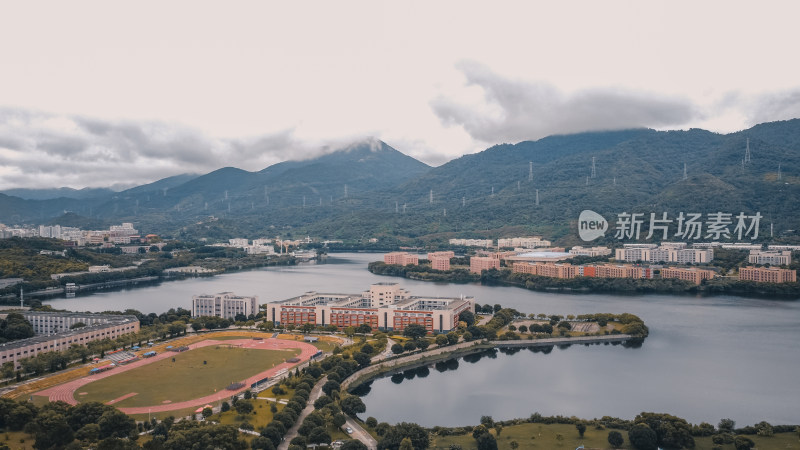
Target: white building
<point>592,251</point>
<point>523,242</point>
<point>225,304</point>
<point>783,258</point>
<point>485,243</point>
<point>665,254</point>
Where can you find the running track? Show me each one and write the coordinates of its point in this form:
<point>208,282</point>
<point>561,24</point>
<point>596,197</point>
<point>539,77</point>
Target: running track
<point>66,392</point>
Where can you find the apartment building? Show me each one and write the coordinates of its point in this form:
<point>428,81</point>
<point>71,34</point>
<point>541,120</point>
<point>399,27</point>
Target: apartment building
<point>767,275</point>
<point>401,258</point>
<point>591,251</point>
<point>478,264</point>
<point>693,274</point>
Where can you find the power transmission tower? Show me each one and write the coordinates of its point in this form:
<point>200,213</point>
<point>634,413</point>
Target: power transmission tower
<point>345,191</point>
<point>463,201</point>
<point>492,191</point>
<point>537,197</point>
<point>779,174</point>
<point>684,171</point>
<point>530,170</point>
<point>594,173</point>
<point>430,197</point>
<point>747,152</point>
<point>517,185</point>
<point>445,212</point>
<point>396,208</point>
<point>587,181</point>
<point>404,208</point>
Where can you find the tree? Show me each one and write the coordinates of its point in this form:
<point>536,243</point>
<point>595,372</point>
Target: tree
<point>410,346</point>
<point>405,444</point>
<point>339,420</point>
<point>452,337</point>
<point>319,436</point>
<point>415,331</point>
<point>397,349</point>
<point>486,442</point>
<point>642,437</point>
<point>468,317</point>
<point>364,329</point>
<point>354,444</point>
<point>330,386</point>
<point>581,427</point>
<point>225,406</point>
<point>52,430</point>
<point>366,348</point>
<point>361,358</point>
<point>394,435</point>
<point>116,424</point>
<point>615,439</point>
<point>371,422</point>
<point>243,408</point>
<point>514,445</point>
<point>743,443</point>
<point>441,340</point>
<point>353,405</point>
<point>207,412</point>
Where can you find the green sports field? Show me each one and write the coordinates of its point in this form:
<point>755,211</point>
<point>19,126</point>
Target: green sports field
<point>187,378</point>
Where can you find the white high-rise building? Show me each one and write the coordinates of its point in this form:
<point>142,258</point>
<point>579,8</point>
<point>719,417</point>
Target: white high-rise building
<point>225,304</point>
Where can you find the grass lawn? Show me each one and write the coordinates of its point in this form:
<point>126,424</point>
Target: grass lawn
<point>17,440</point>
<point>262,415</point>
<point>186,378</point>
<point>541,436</point>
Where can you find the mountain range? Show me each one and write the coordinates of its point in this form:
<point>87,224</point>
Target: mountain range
<point>370,189</point>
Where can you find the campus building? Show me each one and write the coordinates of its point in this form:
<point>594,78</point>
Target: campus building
<point>225,304</point>
<point>767,275</point>
<point>773,258</point>
<point>401,258</point>
<point>666,253</point>
<point>694,275</point>
<point>546,269</point>
<point>485,243</point>
<point>440,260</point>
<point>478,264</point>
<point>523,242</point>
<point>53,333</point>
<point>385,306</point>
<point>592,251</point>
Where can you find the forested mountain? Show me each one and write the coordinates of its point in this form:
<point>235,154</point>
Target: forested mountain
<point>65,192</point>
<point>488,193</point>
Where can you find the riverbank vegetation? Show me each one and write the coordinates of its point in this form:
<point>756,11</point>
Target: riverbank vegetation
<point>505,276</point>
<point>23,258</point>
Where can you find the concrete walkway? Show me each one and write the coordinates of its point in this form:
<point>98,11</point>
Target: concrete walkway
<point>316,392</point>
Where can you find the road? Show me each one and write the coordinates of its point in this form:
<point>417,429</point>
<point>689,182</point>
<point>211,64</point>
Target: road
<point>360,433</point>
<point>316,392</point>
<point>384,354</point>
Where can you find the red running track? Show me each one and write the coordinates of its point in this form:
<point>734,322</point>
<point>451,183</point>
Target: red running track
<point>66,392</point>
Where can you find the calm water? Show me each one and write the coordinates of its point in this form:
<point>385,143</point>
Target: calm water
<point>706,357</point>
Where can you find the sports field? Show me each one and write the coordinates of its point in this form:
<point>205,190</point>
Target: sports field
<point>186,378</point>
<point>198,376</point>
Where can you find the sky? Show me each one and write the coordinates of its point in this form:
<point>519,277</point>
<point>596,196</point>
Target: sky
<point>98,94</point>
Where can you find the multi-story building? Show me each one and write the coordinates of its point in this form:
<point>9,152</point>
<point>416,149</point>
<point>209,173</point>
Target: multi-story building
<point>523,242</point>
<point>778,247</point>
<point>385,306</point>
<point>693,274</point>
<point>439,262</point>
<point>767,275</point>
<point>478,264</point>
<point>774,258</point>
<point>401,258</point>
<point>592,251</point>
<point>673,252</point>
<point>225,304</point>
<point>485,243</point>
<point>54,333</point>
<point>546,269</point>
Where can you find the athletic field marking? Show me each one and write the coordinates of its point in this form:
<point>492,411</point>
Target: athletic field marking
<point>121,398</point>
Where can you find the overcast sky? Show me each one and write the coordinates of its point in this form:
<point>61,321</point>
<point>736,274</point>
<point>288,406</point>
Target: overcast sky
<point>104,93</point>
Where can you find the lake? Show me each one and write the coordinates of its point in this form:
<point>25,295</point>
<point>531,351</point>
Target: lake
<point>706,358</point>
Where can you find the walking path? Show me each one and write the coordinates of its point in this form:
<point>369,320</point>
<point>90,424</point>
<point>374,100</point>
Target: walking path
<point>66,392</point>
<point>360,433</point>
<point>316,392</point>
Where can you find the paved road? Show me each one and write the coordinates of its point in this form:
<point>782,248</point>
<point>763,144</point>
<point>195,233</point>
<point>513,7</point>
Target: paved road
<point>360,434</point>
<point>316,392</point>
<point>384,354</point>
